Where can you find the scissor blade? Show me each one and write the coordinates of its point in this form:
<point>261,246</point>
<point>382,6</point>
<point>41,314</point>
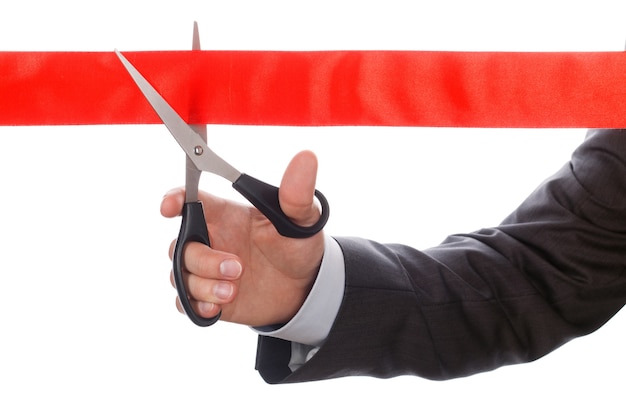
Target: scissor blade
<point>192,173</point>
<point>195,44</point>
<point>196,148</point>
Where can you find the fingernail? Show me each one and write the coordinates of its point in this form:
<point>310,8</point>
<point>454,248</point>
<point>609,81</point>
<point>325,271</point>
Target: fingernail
<point>223,290</point>
<point>205,307</point>
<point>230,269</point>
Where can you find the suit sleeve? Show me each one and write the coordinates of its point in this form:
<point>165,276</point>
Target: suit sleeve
<point>552,271</point>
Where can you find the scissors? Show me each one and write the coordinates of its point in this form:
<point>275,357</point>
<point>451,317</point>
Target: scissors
<point>200,157</point>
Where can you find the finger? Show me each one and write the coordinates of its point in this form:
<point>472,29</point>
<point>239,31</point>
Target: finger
<point>172,203</point>
<point>205,294</point>
<point>208,263</point>
<point>170,252</point>
<point>179,306</point>
<point>210,290</point>
<point>297,189</point>
<point>203,309</point>
<point>208,273</point>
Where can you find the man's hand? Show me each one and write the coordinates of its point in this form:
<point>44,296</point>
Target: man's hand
<point>254,275</point>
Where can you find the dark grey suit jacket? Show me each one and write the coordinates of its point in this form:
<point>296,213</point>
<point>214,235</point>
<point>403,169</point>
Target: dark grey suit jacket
<point>554,269</point>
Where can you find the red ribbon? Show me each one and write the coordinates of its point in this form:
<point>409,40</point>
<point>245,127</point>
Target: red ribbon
<point>389,88</point>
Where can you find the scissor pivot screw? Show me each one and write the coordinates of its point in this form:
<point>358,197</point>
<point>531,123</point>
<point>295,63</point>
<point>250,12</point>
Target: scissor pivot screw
<point>198,150</point>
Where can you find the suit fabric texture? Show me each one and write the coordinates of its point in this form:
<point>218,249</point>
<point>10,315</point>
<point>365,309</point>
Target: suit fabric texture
<point>555,269</point>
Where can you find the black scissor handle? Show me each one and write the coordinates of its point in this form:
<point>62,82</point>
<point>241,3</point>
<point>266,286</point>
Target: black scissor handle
<point>264,197</point>
<point>192,228</point>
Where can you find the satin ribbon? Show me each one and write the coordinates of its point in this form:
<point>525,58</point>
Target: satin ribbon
<point>373,88</point>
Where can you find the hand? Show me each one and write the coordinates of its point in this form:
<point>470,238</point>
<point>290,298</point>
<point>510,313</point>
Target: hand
<point>254,275</point>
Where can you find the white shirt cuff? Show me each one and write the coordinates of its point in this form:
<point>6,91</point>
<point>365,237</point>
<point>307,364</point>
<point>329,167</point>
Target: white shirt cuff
<point>312,323</point>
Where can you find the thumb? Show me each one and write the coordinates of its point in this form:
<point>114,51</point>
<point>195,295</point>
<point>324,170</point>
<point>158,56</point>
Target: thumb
<point>297,189</point>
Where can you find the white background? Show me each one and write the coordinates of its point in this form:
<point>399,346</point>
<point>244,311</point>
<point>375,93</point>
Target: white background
<point>86,310</point>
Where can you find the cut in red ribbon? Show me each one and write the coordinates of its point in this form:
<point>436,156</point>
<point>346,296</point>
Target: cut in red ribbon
<point>372,88</point>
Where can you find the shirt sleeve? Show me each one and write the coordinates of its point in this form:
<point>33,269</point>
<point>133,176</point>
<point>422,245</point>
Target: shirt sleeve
<point>312,323</point>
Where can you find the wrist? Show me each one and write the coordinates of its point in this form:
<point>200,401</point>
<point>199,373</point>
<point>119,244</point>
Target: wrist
<point>312,322</point>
